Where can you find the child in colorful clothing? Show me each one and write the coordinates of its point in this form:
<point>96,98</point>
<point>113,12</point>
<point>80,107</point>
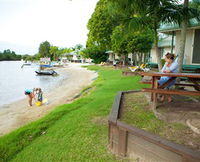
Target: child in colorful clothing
<point>40,95</point>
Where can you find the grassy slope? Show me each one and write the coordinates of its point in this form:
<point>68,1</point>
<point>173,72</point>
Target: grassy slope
<point>70,132</point>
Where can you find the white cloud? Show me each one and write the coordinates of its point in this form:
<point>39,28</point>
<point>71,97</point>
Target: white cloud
<point>29,22</point>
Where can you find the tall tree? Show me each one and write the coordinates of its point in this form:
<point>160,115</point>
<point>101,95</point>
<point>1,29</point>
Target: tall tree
<point>156,12</point>
<point>184,25</point>
<point>95,53</point>
<point>139,44</point>
<point>100,26</point>
<point>119,43</point>
<point>186,14</point>
<point>195,4</point>
<point>78,47</point>
<point>54,52</point>
<point>44,49</point>
<point>146,14</point>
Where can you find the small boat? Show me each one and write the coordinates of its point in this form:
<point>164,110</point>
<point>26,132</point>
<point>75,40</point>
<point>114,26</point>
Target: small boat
<point>45,65</point>
<point>45,72</point>
<point>26,64</point>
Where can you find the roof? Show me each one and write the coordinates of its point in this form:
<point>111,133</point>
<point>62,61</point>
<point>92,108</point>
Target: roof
<point>168,28</point>
<point>166,42</point>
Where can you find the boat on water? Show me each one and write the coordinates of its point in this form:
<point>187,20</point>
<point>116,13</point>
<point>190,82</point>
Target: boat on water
<point>46,72</point>
<point>26,64</point>
<point>45,66</point>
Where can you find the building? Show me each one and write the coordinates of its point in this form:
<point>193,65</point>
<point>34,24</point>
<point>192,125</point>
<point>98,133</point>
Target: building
<point>192,46</point>
<point>112,57</point>
<point>165,45</point>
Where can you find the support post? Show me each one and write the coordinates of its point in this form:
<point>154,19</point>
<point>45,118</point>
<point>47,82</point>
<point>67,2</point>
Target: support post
<point>122,142</point>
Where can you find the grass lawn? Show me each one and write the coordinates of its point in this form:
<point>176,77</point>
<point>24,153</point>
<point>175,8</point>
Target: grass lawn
<point>71,132</point>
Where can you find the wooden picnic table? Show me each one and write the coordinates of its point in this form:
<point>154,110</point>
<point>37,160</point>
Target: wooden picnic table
<point>159,89</point>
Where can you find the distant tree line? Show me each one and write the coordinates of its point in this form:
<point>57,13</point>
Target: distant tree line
<point>8,55</point>
<point>45,50</point>
<point>55,52</point>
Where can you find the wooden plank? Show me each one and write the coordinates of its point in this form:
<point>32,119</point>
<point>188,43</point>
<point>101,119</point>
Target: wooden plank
<point>155,82</point>
<point>186,85</point>
<point>172,92</point>
<point>178,84</point>
<point>158,74</point>
<point>152,86</point>
<point>140,148</point>
<point>122,146</point>
<point>115,108</point>
<point>162,142</point>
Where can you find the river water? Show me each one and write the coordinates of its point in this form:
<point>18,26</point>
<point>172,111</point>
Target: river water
<point>14,80</point>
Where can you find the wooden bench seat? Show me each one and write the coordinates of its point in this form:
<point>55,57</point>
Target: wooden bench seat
<point>172,92</point>
<point>178,84</point>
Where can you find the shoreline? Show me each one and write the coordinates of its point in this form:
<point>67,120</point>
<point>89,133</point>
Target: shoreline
<point>18,113</point>
<point>59,70</point>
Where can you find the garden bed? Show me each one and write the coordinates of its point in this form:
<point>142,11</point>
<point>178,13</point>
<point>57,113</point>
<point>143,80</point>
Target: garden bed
<point>137,133</point>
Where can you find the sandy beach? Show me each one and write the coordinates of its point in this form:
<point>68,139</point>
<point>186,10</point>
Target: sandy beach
<point>19,113</point>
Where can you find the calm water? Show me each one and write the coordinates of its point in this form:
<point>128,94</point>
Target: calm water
<point>14,80</point>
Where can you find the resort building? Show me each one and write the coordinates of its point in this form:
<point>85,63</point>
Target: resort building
<point>114,57</point>
<point>192,46</point>
<point>165,45</point>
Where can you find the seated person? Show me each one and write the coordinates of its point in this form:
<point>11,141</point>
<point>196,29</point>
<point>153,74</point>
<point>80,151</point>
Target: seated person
<point>170,66</point>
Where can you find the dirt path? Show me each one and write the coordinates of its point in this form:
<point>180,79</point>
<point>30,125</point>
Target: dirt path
<point>19,113</point>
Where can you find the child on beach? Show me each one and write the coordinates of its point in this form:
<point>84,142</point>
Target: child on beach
<point>40,95</point>
<point>30,94</point>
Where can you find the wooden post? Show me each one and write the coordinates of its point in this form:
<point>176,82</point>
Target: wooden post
<point>122,142</point>
<point>152,86</point>
<point>155,80</point>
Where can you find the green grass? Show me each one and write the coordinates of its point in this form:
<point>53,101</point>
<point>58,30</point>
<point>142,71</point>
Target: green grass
<point>70,132</point>
<point>134,113</point>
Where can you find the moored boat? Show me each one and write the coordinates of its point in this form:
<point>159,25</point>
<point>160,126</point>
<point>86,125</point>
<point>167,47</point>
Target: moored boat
<point>46,72</point>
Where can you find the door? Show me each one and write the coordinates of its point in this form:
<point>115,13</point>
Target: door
<point>196,47</point>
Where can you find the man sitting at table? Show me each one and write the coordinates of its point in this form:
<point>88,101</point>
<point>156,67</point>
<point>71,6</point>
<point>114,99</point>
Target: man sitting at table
<point>170,66</point>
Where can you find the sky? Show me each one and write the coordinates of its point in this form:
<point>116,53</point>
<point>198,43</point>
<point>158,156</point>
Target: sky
<point>24,24</point>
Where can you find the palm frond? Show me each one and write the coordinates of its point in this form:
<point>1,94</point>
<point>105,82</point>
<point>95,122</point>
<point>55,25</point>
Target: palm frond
<point>178,13</point>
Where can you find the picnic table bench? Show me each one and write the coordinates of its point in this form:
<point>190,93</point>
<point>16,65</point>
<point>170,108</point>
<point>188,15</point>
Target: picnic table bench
<point>159,89</point>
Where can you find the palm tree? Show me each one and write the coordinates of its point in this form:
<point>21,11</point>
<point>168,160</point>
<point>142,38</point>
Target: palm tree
<point>187,14</point>
<point>181,15</point>
<point>195,4</point>
<point>184,25</point>
<point>145,12</point>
